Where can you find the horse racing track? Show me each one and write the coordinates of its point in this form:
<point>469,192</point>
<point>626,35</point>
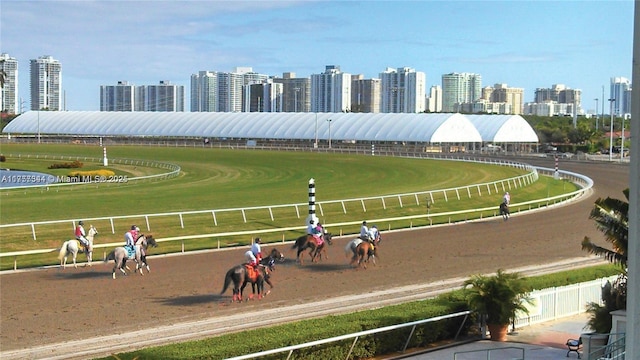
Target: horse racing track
<point>96,315</point>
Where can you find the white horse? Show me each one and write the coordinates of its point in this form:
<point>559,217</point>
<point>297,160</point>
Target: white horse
<point>120,255</point>
<point>350,248</point>
<point>71,247</point>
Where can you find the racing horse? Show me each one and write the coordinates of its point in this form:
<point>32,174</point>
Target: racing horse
<point>120,255</point>
<point>270,260</point>
<point>242,274</point>
<point>315,250</point>
<point>71,247</point>
<point>504,211</point>
<point>358,249</point>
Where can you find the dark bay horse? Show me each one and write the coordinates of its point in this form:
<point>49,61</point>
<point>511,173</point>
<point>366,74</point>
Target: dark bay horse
<point>120,255</point>
<point>309,242</point>
<point>240,275</point>
<point>270,260</point>
<point>504,211</point>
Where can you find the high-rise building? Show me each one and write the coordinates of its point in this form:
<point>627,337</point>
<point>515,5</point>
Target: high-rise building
<point>458,89</point>
<point>434,101</point>
<point>204,92</point>
<point>224,92</point>
<point>164,97</point>
<point>403,90</point>
<point>621,92</point>
<point>331,90</point>
<point>296,92</point>
<point>513,98</point>
<point>46,84</point>
<point>569,101</point>
<point>365,94</point>
<point>119,97</point>
<point>264,97</point>
<point>9,91</point>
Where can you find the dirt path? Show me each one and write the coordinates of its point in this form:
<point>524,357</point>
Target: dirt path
<point>50,306</point>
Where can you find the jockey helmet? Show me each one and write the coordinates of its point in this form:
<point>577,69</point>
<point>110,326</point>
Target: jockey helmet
<point>81,222</point>
<point>364,223</point>
<point>374,226</point>
<point>257,240</point>
<point>133,227</point>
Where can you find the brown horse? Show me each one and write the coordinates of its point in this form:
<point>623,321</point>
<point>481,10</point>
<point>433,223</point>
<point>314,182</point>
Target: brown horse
<point>240,275</point>
<point>363,252</point>
<point>315,251</point>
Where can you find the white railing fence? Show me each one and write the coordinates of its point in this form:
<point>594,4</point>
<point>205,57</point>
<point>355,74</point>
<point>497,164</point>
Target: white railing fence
<point>357,336</point>
<point>567,301</point>
<point>445,217</point>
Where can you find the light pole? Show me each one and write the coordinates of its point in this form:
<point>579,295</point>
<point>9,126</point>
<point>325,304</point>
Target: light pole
<point>329,120</point>
<point>611,101</point>
<point>596,113</point>
<point>622,143</point>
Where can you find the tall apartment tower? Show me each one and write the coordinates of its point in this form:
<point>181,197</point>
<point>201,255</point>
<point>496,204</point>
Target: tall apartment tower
<point>501,93</point>
<point>331,90</point>
<point>119,97</point>
<point>403,90</point>
<point>458,89</point>
<point>296,92</point>
<point>621,91</point>
<point>9,92</point>
<point>204,92</point>
<point>46,84</point>
<point>264,97</point>
<point>365,94</point>
<point>164,97</point>
<point>434,102</point>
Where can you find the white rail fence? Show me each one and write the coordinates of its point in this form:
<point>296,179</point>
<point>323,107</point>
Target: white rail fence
<point>172,169</point>
<point>469,191</point>
<point>550,304</point>
<point>583,181</point>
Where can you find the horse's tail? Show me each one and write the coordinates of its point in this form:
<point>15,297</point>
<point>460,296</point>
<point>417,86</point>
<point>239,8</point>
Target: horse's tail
<point>63,250</point>
<point>298,243</point>
<point>227,281</point>
<point>111,256</point>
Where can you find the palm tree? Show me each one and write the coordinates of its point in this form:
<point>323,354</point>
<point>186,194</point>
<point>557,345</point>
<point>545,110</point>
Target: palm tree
<point>612,219</point>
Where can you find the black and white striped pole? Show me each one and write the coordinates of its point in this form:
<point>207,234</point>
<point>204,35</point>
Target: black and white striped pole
<point>312,202</point>
<point>555,174</point>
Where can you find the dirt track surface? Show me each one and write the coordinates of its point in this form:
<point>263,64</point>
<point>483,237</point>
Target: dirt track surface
<point>43,308</point>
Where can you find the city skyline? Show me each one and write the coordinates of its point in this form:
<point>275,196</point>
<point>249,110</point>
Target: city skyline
<point>524,44</point>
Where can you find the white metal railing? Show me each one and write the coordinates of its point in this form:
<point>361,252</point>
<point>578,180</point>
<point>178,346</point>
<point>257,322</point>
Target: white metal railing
<point>564,308</point>
<point>356,336</point>
<point>499,185</point>
<point>581,180</point>
<point>173,170</point>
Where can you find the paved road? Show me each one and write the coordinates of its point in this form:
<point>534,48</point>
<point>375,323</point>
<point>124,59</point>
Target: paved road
<point>83,313</point>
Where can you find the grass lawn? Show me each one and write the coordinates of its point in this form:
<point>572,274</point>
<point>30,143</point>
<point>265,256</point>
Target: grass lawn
<point>223,179</point>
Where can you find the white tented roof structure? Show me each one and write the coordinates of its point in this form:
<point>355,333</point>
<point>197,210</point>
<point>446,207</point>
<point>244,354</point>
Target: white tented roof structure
<point>503,128</point>
<point>427,128</point>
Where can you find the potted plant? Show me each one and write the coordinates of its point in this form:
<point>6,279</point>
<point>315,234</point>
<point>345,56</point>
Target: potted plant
<point>496,299</point>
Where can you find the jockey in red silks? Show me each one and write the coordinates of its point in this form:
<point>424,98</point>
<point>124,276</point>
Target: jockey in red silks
<point>80,234</point>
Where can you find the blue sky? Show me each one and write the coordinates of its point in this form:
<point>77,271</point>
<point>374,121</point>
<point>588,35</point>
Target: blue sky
<point>525,44</point>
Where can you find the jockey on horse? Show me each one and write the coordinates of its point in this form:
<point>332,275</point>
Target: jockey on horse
<point>81,236</point>
<point>317,231</point>
<point>253,257</point>
<point>371,235</point>
<point>130,238</point>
